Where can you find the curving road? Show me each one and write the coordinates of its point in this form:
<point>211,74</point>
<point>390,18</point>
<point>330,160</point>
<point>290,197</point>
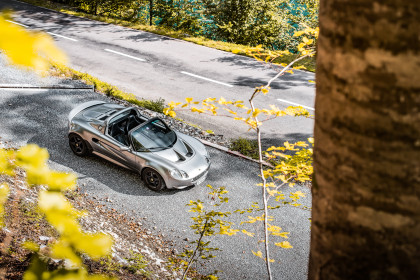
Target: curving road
<point>153,66</point>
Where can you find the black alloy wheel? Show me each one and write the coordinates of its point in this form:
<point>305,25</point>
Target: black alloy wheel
<point>78,145</point>
<point>153,179</point>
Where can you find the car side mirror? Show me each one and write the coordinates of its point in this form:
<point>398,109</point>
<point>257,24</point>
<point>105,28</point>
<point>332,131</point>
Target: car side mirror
<point>125,149</point>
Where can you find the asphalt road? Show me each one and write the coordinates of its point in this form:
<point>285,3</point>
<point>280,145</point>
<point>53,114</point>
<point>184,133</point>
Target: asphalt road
<point>153,66</point>
<point>40,116</point>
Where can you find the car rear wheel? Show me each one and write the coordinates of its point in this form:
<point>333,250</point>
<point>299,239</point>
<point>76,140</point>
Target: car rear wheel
<point>153,179</point>
<point>78,145</point>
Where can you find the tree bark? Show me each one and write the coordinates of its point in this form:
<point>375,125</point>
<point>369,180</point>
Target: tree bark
<point>366,191</point>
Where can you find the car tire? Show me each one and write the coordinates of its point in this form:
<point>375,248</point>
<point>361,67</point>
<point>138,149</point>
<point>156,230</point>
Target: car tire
<point>78,145</point>
<point>153,179</point>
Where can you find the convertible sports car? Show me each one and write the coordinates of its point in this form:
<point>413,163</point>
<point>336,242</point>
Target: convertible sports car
<point>162,156</point>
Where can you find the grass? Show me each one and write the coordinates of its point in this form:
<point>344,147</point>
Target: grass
<point>245,146</point>
<point>108,89</point>
<point>308,63</point>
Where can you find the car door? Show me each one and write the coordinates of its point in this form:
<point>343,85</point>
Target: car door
<point>117,152</point>
<point>138,150</point>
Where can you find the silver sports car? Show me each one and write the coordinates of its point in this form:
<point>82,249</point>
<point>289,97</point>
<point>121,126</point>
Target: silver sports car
<point>162,156</point>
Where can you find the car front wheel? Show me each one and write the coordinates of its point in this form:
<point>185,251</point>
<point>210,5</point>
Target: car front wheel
<point>153,179</point>
<point>78,145</point>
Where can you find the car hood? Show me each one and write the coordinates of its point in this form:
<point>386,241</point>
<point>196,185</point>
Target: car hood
<point>180,152</point>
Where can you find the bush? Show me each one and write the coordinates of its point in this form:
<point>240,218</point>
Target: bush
<point>245,146</point>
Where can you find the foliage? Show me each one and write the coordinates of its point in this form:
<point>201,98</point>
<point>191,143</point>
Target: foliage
<point>27,48</point>
<point>180,15</point>
<point>308,63</point>
<point>248,22</point>
<point>245,146</point>
<point>234,109</point>
<point>208,222</point>
<point>270,23</point>
<point>137,263</point>
<point>72,242</point>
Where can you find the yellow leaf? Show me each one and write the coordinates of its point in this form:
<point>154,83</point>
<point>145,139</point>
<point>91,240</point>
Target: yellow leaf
<point>298,33</point>
<point>62,250</point>
<point>273,228</point>
<point>282,234</point>
<point>272,192</point>
<point>300,46</point>
<point>28,48</point>
<point>258,254</point>
<point>256,112</point>
<point>193,109</point>
<point>222,101</point>
<point>172,114</point>
<point>188,99</point>
<point>61,181</point>
<point>284,244</point>
<point>53,201</point>
<point>31,155</point>
<point>248,233</point>
<point>95,245</point>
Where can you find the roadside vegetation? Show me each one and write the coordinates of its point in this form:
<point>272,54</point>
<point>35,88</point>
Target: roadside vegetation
<point>64,71</point>
<point>245,146</point>
<point>269,24</point>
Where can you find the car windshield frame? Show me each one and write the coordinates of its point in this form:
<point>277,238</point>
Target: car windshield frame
<point>142,128</point>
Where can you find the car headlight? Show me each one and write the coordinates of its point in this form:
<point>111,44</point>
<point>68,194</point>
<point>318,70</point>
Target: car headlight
<point>179,174</point>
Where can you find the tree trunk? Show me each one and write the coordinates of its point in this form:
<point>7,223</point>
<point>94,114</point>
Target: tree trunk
<point>366,193</point>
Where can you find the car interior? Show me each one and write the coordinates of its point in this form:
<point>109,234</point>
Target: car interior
<point>119,128</point>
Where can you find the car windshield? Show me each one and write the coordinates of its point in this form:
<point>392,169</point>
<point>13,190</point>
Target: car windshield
<point>154,135</point>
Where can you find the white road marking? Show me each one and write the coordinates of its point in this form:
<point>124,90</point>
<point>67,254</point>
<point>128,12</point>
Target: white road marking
<point>123,54</point>
<point>61,36</point>
<point>17,23</point>
<point>204,78</point>
<point>71,39</point>
<point>296,104</point>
